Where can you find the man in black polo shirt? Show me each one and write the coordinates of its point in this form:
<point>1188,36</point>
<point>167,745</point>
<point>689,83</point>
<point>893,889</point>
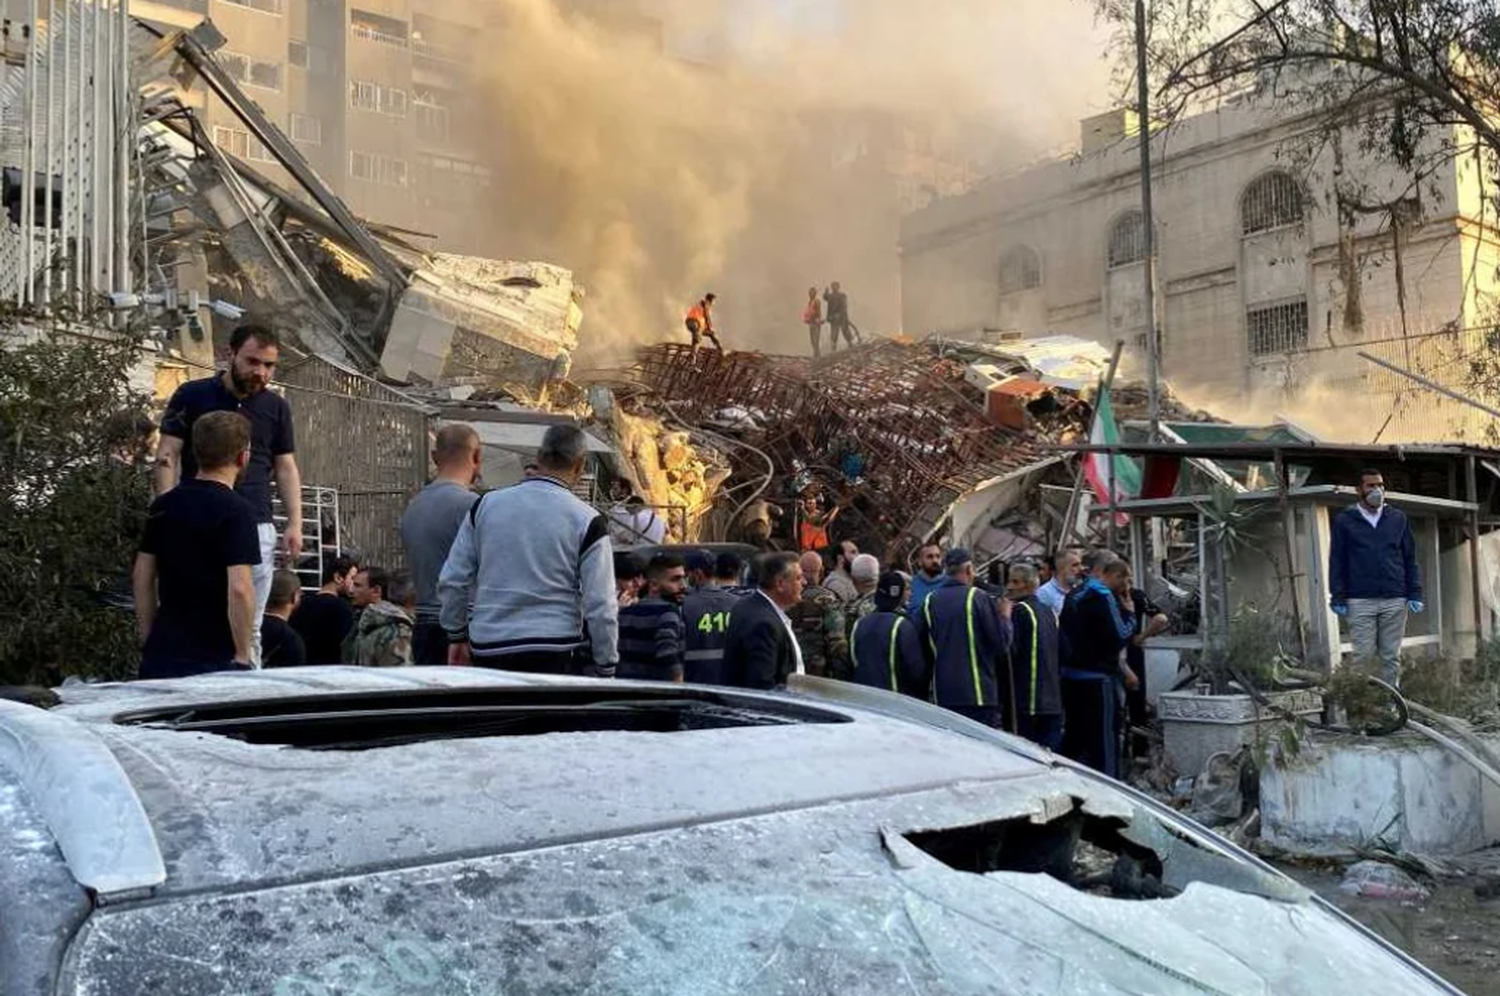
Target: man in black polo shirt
<point>242,387</point>
<point>194,594</point>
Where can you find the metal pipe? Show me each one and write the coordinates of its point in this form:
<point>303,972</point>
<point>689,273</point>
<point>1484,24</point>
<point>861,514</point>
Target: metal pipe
<point>105,126</point>
<point>124,136</point>
<point>51,158</point>
<point>95,212</point>
<point>1148,224</point>
<point>1471,491</point>
<point>69,161</point>
<point>1447,392</point>
<point>28,166</point>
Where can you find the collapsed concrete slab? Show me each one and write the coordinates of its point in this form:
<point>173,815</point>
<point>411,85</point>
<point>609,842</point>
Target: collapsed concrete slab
<point>465,315</point>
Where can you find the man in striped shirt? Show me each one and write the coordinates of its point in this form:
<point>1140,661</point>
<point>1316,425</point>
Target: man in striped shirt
<point>652,633</point>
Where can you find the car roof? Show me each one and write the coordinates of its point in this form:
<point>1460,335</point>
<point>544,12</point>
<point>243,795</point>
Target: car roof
<point>219,805</point>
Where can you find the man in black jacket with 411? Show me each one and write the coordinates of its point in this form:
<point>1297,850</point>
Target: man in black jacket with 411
<point>1373,575</point>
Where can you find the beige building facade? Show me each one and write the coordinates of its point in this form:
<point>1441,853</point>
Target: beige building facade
<point>1279,259</point>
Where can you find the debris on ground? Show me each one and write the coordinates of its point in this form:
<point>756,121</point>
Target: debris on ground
<point>1377,880</point>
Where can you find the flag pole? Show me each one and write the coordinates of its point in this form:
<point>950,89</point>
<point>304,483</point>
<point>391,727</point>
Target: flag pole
<point>1105,383</point>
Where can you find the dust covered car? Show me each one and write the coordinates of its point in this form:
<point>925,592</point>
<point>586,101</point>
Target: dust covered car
<point>328,831</point>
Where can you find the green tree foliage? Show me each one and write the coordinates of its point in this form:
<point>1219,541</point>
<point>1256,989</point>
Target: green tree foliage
<point>73,496</point>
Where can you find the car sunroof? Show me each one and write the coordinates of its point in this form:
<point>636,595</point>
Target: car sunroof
<point>367,720</point>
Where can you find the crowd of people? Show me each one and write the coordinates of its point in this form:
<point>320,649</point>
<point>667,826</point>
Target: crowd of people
<point>526,578</point>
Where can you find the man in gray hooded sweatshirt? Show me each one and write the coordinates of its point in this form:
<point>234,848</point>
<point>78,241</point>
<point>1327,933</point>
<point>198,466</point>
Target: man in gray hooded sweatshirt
<point>535,563</point>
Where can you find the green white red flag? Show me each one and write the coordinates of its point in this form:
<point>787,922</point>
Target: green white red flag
<point>1096,467</point>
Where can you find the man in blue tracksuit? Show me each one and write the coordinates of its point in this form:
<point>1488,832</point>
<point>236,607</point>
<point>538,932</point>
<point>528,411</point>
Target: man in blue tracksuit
<point>966,635</point>
<point>1098,622</point>
<point>1373,576</point>
<point>885,647</point>
<point>1033,660</point>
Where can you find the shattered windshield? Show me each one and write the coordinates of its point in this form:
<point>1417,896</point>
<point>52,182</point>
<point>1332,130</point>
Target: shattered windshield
<point>840,900</point>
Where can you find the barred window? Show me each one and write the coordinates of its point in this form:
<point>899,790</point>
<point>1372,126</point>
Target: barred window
<point>242,145</point>
<point>1273,201</point>
<point>264,6</point>
<point>306,129</point>
<point>377,97</point>
<point>254,72</point>
<point>1127,240</point>
<point>377,168</point>
<point>1020,270</point>
<point>1279,328</point>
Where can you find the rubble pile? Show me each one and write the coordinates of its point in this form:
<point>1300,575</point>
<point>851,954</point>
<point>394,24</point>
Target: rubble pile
<point>673,473</point>
<point>897,432</point>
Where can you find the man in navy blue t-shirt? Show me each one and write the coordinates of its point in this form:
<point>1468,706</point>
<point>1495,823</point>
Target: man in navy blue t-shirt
<point>242,387</point>
<point>194,591</point>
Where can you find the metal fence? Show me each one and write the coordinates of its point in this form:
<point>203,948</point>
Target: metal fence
<point>366,441</point>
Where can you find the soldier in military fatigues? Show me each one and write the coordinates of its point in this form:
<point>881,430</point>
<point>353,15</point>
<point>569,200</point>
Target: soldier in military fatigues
<point>818,621</point>
<point>381,637</point>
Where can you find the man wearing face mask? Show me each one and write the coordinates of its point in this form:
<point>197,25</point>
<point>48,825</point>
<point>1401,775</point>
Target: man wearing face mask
<point>1373,575</point>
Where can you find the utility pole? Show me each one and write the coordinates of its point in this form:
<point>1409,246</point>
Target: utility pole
<point>1148,223</point>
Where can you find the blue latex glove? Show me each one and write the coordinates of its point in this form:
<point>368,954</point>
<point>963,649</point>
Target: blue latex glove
<point>1340,608</point>
<point>1415,606</point>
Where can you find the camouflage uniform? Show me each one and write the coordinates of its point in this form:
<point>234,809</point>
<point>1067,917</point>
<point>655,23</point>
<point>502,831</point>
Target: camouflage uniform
<point>856,610</point>
<point>380,638</point>
<point>818,621</point>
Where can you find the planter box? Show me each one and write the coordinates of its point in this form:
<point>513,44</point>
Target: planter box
<point>1196,727</point>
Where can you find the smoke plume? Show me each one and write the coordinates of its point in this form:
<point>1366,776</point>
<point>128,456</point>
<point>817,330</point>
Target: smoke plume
<point>721,152</point>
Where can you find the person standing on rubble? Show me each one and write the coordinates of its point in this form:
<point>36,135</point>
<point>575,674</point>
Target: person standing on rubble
<point>756,523</point>
<point>812,530</point>
<point>967,636</point>
<point>700,323</point>
<point>428,527</point>
<point>535,563</point>
<point>884,646</point>
<point>1373,575</point>
<point>818,620</point>
<point>1097,624</point>
<point>1033,661</point>
<point>838,315</point>
<point>812,317</point>
<point>243,387</point>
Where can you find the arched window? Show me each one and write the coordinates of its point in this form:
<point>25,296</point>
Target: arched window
<point>1273,201</point>
<point>1020,270</point>
<point>1127,240</point>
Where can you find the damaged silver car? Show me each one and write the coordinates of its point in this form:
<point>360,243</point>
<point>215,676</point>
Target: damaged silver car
<point>342,831</point>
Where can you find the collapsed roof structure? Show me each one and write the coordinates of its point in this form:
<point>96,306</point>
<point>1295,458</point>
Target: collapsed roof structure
<point>916,439</point>
<point>355,292</point>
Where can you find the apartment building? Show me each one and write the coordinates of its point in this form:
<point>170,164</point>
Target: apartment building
<point>1269,281</point>
<point>377,95</point>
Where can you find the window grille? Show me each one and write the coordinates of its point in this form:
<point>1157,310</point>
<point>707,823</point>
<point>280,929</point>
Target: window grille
<point>1280,328</point>
<point>1127,240</point>
<point>264,6</point>
<point>306,129</point>
<point>1020,270</point>
<point>1273,201</point>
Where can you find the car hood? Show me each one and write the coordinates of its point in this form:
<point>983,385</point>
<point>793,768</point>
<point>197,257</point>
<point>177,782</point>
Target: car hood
<point>833,900</point>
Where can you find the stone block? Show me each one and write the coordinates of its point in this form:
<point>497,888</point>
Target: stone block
<point>1196,727</point>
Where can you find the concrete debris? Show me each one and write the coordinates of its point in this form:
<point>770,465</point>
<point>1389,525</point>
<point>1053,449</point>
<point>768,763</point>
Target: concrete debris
<point>676,476</point>
<point>1374,880</point>
<point>516,323</point>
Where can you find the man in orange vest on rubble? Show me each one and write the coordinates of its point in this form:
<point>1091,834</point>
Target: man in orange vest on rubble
<point>700,323</point>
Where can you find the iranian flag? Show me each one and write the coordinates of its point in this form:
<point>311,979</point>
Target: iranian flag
<point>1106,432</point>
